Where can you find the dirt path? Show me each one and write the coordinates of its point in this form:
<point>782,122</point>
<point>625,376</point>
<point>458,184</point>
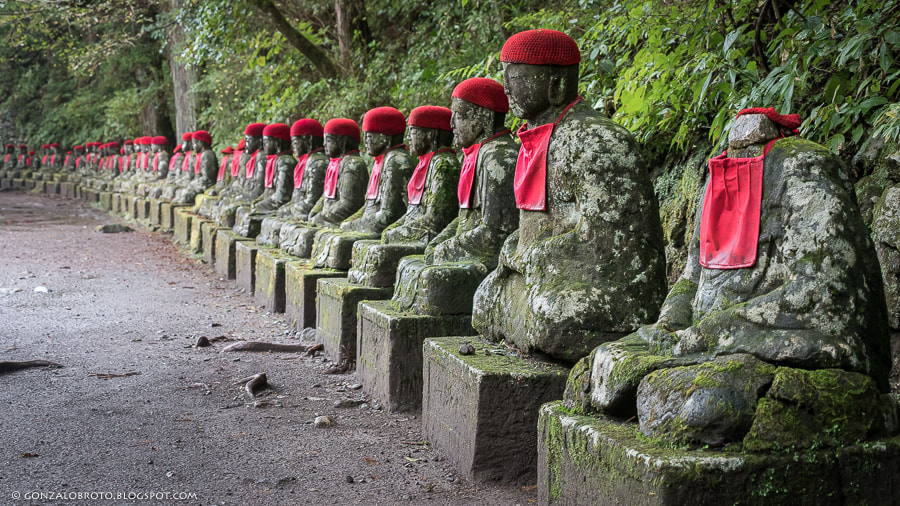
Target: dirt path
<point>173,421</point>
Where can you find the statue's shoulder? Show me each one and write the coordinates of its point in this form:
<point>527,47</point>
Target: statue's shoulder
<point>287,159</point>
<point>804,162</point>
<point>397,156</point>
<point>500,148</point>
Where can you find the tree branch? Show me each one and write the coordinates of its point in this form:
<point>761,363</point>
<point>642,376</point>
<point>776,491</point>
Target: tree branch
<point>319,58</point>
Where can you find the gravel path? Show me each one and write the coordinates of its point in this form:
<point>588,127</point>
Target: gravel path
<point>172,424</point>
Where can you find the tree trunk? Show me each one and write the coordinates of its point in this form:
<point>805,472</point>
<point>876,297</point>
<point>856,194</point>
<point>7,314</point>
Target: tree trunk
<point>313,53</point>
<point>183,79</point>
<point>350,17</point>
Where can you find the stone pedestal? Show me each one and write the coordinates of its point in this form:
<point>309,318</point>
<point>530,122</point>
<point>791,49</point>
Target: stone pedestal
<point>155,211</point>
<point>245,264</point>
<point>106,200</point>
<point>389,350</point>
<point>5,183</point>
<point>270,289</point>
<point>594,460</point>
<point>183,217</point>
<point>68,190</point>
<point>480,411</point>
<point>40,186</point>
<point>92,196</point>
<point>167,215</point>
<point>116,202</point>
<point>336,304</point>
<point>142,209</point>
<point>209,232</point>
<point>300,292</point>
<point>195,245</point>
<point>30,184</point>
<point>52,188</point>
<point>225,252</point>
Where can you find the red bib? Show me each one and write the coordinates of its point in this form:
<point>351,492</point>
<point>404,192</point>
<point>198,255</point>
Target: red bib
<point>221,175</point>
<point>66,161</point>
<point>416,186</point>
<point>375,178</point>
<point>299,169</point>
<point>43,160</point>
<point>186,162</point>
<point>729,225</point>
<point>171,162</point>
<point>331,177</point>
<point>122,163</point>
<point>236,162</point>
<point>251,166</point>
<point>156,161</point>
<point>197,157</point>
<point>270,170</point>
<point>52,159</point>
<point>530,183</point>
<point>467,174</point>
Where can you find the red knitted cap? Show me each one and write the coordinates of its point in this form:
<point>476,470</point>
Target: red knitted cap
<point>228,150</point>
<point>541,47</point>
<point>482,91</point>
<point>23,146</point>
<point>430,116</point>
<point>278,130</point>
<point>115,145</point>
<point>78,147</point>
<point>185,136</point>
<point>203,136</point>
<point>12,146</point>
<point>307,126</point>
<point>159,140</point>
<point>254,129</point>
<point>129,143</point>
<point>31,153</point>
<point>242,144</point>
<point>384,120</point>
<point>45,146</point>
<point>54,144</point>
<point>790,121</point>
<point>342,126</point>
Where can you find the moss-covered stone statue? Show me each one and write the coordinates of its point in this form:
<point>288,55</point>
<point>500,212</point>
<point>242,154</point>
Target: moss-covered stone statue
<point>776,333</point>
<point>307,138</point>
<point>278,180</point>
<point>587,264</point>
<point>249,183</point>
<point>344,188</point>
<point>383,129</point>
<point>205,168</point>
<point>181,170</point>
<point>228,181</point>
<point>431,195</point>
<point>443,282</point>
<point>160,158</point>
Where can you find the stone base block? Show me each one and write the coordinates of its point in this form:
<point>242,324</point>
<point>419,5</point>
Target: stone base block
<point>30,184</point>
<point>336,303</point>
<point>269,292</point>
<point>67,190</point>
<point>389,350</point>
<point>300,283</point>
<point>52,188</point>
<point>183,218</point>
<point>142,209</point>
<point>5,183</point>
<point>226,264</point>
<point>117,202</point>
<point>245,264</point>
<point>594,460</point>
<point>481,410</point>
<point>209,232</point>
<point>92,196</point>
<point>195,244</point>
<point>155,211</point>
<point>167,215</point>
<point>106,200</point>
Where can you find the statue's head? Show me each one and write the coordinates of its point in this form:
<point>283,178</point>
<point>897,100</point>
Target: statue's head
<point>201,140</point>
<point>384,127</point>
<point>78,149</point>
<point>187,141</point>
<point>253,137</point>
<point>23,148</point>
<point>760,125</point>
<point>112,148</point>
<point>276,138</point>
<point>158,143</point>
<point>429,129</point>
<point>540,71</point>
<point>306,135</point>
<point>479,107</point>
<point>54,148</point>
<point>341,136</point>
<point>45,148</point>
<point>129,147</point>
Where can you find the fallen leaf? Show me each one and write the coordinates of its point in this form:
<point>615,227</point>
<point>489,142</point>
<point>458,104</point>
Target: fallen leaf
<point>413,460</point>
<point>529,488</point>
<point>29,455</point>
<point>371,462</point>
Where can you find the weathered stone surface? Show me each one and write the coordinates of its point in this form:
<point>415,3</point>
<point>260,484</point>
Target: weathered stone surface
<point>270,288</point>
<point>225,252</point>
<point>824,408</point>
<point>114,228</point>
<point>105,198</point>
<point>886,235</point>
<point>155,206</point>
<point>593,460</point>
<point>711,403</point>
<point>195,245</point>
<point>444,288</point>
<point>300,292</point>
<point>480,410</point>
<point>751,129</point>
<point>245,264</point>
<point>209,231</point>
<point>336,318</point>
<point>389,350</point>
<point>298,238</point>
<point>375,264</point>
<point>183,218</point>
<point>333,248</point>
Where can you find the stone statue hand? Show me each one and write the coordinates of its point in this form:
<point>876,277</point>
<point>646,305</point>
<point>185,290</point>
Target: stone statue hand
<point>509,251</point>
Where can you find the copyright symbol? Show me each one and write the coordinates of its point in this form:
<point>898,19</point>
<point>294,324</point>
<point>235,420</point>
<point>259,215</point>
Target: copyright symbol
<point>16,495</point>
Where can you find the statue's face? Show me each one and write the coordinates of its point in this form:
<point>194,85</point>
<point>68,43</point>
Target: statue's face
<point>196,146</point>
<point>376,144</point>
<point>129,149</point>
<point>527,88</point>
<point>419,140</point>
<point>271,145</point>
<point>469,122</point>
<point>252,144</point>
<point>299,145</point>
<point>333,145</point>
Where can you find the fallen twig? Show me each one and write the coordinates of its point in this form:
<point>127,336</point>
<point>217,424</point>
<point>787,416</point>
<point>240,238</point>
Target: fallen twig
<point>254,384</point>
<point>261,346</point>
<point>106,376</point>
<point>11,366</point>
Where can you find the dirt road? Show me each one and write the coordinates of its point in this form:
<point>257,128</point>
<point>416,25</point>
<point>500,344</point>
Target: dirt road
<point>137,413</point>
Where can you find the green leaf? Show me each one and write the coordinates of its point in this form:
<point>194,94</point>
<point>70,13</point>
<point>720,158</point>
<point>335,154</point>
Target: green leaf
<point>836,143</point>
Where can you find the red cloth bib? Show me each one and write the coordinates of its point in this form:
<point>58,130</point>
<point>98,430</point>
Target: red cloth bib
<point>299,169</point>
<point>331,177</point>
<point>530,183</point>
<point>467,174</point>
<point>6,158</point>
<point>375,178</point>
<point>66,161</point>
<point>122,163</point>
<point>236,162</point>
<point>729,225</point>
<point>221,175</point>
<point>28,162</point>
<point>52,159</point>
<point>270,170</point>
<point>197,159</point>
<point>251,166</point>
<point>43,160</point>
<point>171,162</point>
<point>156,161</point>
<point>416,186</point>
<point>186,163</point>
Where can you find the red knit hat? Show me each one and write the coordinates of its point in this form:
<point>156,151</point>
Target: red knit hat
<point>307,126</point>
<point>384,120</point>
<point>789,121</point>
<point>279,131</point>
<point>254,129</point>
<point>45,146</point>
<point>129,143</point>
<point>10,145</point>
<point>31,153</point>
<point>482,91</point>
<point>242,144</point>
<point>186,136</point>
<point>159,140</point>
<point>342,126</point>
<point>54,144</point>
<point>541,47</point>
<point>228,150</point>
<point>78,147</point>
<point>113,145</point>
<point>431,116</point>
<point>23,146</point>
<point>203,136</point>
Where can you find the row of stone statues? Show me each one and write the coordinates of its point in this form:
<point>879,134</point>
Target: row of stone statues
<point>555,245</point>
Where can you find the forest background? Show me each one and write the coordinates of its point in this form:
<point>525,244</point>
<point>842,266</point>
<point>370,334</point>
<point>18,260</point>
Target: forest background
<point>674,72</point>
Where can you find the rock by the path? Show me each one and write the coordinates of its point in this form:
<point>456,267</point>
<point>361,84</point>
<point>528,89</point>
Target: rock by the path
<point>324,422</point>
<point>114,228</point>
